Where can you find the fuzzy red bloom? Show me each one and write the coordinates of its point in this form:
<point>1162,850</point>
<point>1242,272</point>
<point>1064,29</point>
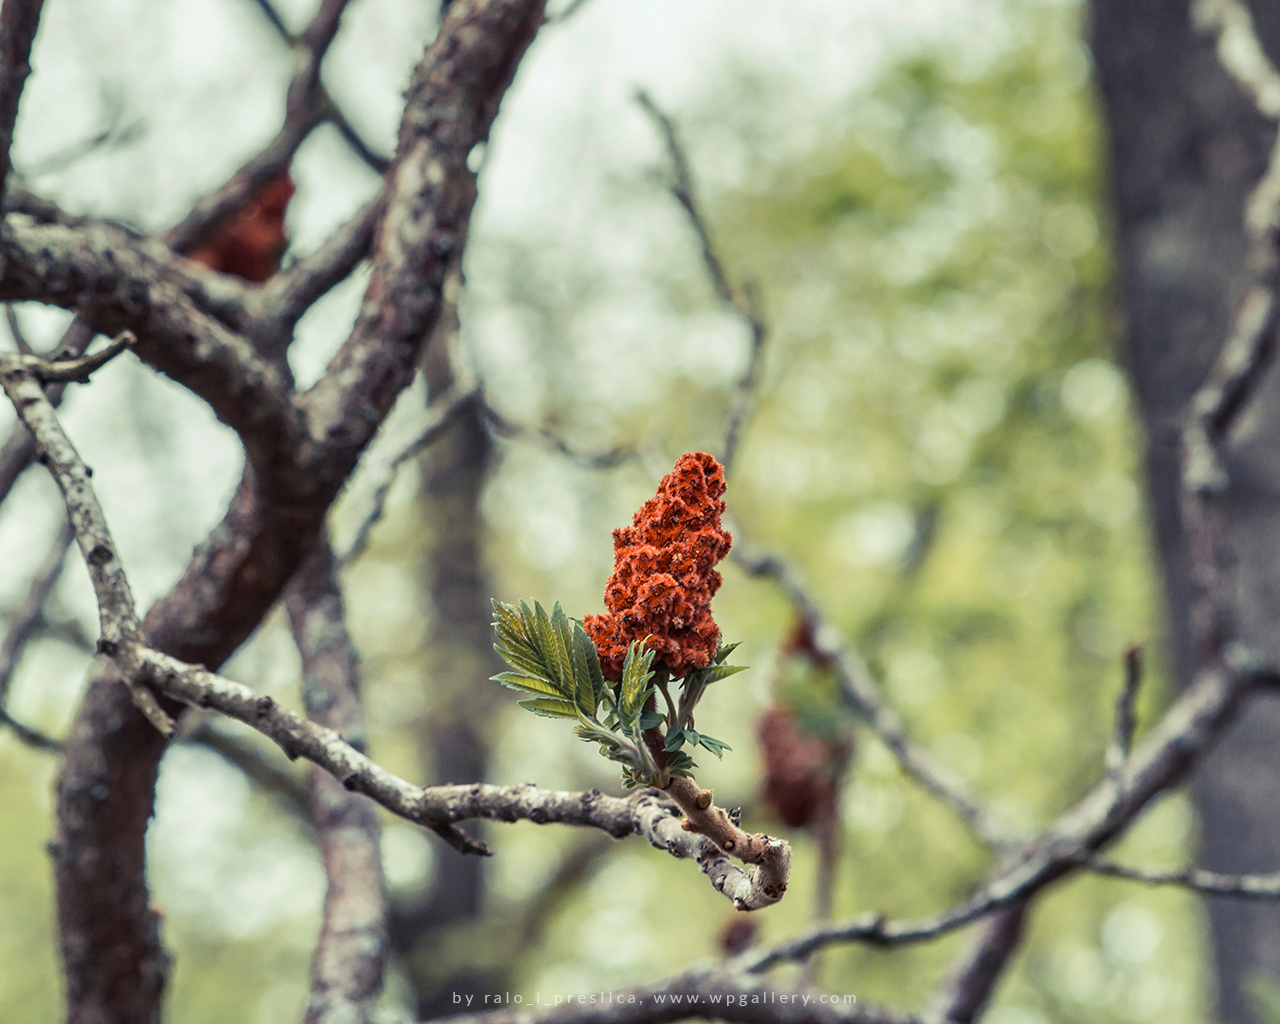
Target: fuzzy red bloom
<point>663,576</point>
<point>250,244</point>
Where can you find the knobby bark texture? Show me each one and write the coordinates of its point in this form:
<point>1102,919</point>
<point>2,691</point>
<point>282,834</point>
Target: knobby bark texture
<point>111,946</point>
<point>1187,146</point>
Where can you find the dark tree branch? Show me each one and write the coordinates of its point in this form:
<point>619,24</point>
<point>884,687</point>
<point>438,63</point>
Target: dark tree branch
<point>19,20</point>
<point>26,619</point>
<point>1122,733</point>
<point>308,80</point>
<point>441,414</point>
<point>115,965</point>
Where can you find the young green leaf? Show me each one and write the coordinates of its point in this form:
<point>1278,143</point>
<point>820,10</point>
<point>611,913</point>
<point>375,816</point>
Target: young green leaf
<point>530,684</point>
<point>585,650</point>
<point>725,651</point>
<point>635,680</point>
<point>717,747</point>
<point>717,672</point>
<point>675,740</point>
<point>550,707</point>
<point>651,720</point>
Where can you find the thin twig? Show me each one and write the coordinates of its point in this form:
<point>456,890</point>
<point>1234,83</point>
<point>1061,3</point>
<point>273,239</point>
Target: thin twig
<point>862,693</point>
<point>1210,883</point>
<point>1122,732</point>
<point>330,110</point>
<point>118,620</point>
<point>28,616</point>
<point>745,304</point>
<point>441,414</point>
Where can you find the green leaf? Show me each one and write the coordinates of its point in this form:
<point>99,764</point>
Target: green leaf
<point>581,649</point>
<point>717,672</point>
<point>717,747</point>
<point>591,656</point>
<point>680,764</point>
<point>531,684</point>
<point>635,680</point>
<point>675,740</point>
<point>550,707</point>
<point>651,719</point>
<point>725,651</point>
<point>552,648</point>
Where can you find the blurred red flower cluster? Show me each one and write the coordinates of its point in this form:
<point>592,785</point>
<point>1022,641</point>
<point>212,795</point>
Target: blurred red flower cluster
<point>250,244</point>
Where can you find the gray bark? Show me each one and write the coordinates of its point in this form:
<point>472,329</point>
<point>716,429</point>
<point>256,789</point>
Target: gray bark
<point>1186,148</point>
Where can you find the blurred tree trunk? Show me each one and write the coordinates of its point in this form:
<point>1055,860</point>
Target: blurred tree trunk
<point>462,701</point>
<point>1187,148</point>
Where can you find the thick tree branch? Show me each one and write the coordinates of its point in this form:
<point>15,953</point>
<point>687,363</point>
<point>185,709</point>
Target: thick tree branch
<point>115,966</point>
<point>19,20</point>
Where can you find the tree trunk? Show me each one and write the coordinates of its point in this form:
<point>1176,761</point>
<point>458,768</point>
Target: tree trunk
<point>1187,148</point>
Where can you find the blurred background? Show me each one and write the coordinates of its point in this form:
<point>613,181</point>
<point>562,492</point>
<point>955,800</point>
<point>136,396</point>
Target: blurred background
<point>942,441</point>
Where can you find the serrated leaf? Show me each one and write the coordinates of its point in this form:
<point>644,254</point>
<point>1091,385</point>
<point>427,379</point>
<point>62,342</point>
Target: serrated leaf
<point>550,707</point>
<point>725,651</point>
<point>592,659</point>
<point>552,648</point>
<point>651,719</point>
<point>584,691</point>
<point>526,662</point>
<point>531,684</point>
<point>717,672</point>
<point>675,740</point>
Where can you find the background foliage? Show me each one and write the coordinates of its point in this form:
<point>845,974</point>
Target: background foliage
<point>943,440</point>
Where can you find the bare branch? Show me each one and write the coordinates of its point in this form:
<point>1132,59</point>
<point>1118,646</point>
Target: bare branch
<point>505,429</point>
<point>1182,735</point>
<point>441,414</point>
<point>28,616</point>
<point>745,304</point>
<point>1210,883</point>
<point>972,978</point>
<point>308,81</point>
<point>118,621</point>
<point>282,300</point>
<point>18,22</point>
<point>862,694</point>
<point>303,111</point>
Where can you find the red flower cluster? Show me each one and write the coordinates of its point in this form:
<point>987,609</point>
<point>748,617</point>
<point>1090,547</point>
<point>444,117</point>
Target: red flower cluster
<point>663,576</point>
<point>250,244</point>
